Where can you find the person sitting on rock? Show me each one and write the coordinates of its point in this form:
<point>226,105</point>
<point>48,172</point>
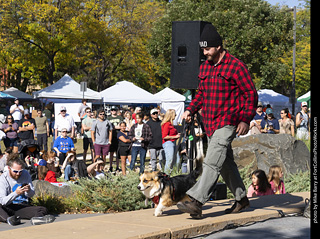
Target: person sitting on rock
<point>15,190</point>
<point>45,174</point>
<point>260,185</point>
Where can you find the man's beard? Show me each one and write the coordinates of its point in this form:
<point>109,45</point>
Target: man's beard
<point>14,175</point>
<point>212,56</point>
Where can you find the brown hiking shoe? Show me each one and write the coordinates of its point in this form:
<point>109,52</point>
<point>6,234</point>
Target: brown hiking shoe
<point>193,207</point>
<point>238,206</point>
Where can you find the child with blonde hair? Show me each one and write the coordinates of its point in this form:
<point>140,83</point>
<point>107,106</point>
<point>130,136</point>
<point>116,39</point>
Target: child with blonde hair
<point>274,177</point>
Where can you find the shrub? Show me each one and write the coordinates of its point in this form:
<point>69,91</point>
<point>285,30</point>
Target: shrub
<point>113,193</point>
<point>54,204</point>
<point>298,182</point>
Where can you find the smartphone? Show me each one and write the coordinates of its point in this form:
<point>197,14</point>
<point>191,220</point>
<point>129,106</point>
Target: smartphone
<point>24,184</point>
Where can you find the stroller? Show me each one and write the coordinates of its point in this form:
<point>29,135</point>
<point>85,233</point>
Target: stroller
<point>31,149</point>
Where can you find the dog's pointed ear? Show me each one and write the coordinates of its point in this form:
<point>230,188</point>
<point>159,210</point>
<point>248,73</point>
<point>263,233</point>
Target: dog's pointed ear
<point>157,174</point>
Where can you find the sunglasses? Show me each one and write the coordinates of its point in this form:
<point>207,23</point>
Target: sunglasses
<point>63,131</point>
<point>102,114</point>
<point>9,118</point>
<point>16,171</point>
<point>88,111</point>
<point>63,111</point>
<point>155,113</point>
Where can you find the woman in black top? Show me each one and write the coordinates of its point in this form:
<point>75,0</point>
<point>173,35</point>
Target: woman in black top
<point>124,144</point>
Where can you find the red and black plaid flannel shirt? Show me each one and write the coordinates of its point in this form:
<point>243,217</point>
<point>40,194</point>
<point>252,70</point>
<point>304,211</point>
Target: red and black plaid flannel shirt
<point>226,94</point>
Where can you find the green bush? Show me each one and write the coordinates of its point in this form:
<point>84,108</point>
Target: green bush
<point>298,182</point>
<point>54,204</point>
<point>113,193</point>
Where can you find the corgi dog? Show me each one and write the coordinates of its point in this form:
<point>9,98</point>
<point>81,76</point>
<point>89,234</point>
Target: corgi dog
<point>166,191</point>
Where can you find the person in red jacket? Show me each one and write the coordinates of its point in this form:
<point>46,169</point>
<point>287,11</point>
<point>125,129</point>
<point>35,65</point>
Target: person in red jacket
<point>45,174</point>
<point>228,99</point>
<point>169,136</point>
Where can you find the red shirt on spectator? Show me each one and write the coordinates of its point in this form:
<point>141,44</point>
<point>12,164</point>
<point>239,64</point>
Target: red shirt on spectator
<point>168,129</point>
<point>51,177</point>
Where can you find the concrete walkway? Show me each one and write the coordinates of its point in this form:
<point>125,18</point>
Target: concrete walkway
<point>173,223</point>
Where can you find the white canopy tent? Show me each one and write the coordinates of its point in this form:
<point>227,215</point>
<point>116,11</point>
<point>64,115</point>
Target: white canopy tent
<point>276,100</point>
<point>125,92</point>
<point>66,88</point>
<point>172,100</point>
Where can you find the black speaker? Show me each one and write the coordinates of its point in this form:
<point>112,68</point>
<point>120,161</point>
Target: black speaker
<point>186,55</point>
<point>219,192</point>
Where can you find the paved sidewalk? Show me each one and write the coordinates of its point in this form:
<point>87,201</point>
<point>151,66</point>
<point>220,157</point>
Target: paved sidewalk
<point>284,227</point>
<point>173,223</point>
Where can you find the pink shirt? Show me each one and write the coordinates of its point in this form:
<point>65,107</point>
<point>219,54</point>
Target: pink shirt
<point>280,189</point>
<point>252,192</point>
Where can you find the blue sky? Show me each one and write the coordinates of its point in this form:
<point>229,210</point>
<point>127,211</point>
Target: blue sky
<point>290,3</point>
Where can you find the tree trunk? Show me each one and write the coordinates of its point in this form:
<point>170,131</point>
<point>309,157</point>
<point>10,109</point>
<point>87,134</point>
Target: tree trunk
<point>51,69</point>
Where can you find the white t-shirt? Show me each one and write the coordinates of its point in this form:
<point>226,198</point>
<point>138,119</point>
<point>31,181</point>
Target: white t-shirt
<point>64,122</point>
<point>17,115</point>
<point>137,135</point>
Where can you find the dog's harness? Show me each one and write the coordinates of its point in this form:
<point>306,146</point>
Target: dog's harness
<point>156,199</point>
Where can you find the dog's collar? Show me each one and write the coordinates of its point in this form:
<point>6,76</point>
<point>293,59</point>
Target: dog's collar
<point>156,199</point>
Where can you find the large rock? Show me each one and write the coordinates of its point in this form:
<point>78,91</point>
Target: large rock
<point>44,187</point>
<point>265,150</point>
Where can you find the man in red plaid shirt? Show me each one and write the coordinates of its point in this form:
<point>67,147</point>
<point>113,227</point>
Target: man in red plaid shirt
<point>228,99</point>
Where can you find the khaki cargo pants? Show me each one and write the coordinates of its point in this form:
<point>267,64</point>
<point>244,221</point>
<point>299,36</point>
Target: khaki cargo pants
<point>219,160</point>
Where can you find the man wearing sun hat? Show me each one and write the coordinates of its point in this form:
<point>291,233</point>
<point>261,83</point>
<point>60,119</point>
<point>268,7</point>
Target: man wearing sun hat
<point>302,122</point>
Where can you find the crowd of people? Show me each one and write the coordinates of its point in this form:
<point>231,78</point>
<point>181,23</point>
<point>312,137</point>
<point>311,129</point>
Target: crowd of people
<point>266,122</point>
<point>123,135</point>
